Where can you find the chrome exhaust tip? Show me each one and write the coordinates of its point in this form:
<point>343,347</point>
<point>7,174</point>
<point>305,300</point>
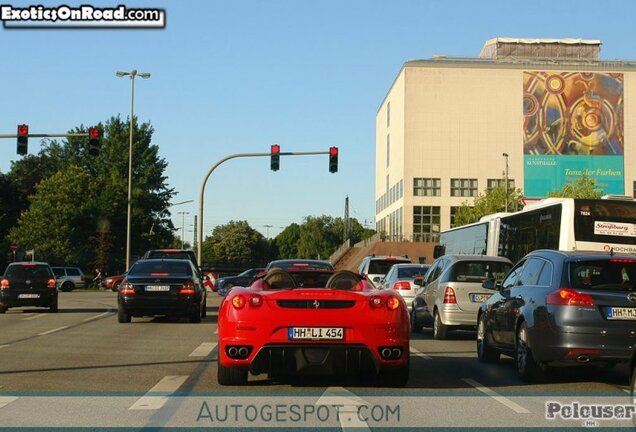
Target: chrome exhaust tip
<point>397,353</point>
<point>583,358</point>
<point>242,352</point>
<point>386,353</point>
<point>232,352</point>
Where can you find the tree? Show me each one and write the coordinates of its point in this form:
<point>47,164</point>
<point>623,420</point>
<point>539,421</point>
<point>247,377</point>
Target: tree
<point>488,202</point>
<point>59,219</point>
<point>236,243</point>
<point>583,187</point>
<point>287,242</point>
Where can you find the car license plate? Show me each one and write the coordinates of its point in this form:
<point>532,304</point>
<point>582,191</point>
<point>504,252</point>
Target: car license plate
<point>316,333</point>
<point>618,313</point>
<point>479,298</point>
<point>157,288</point>
<point>28,296</point>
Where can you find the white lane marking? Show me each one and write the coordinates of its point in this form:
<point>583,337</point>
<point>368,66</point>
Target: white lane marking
<point>168,384</point>
<point>496,396</point>
<point>40,315</point>
<point>6,400</point>
<point>420,354</point>
<point>203,350</point>
<point>52,331</point>
<point>348,411</point>
<point>97,316</point>
<point>216,331</point>
<point>3,346</point>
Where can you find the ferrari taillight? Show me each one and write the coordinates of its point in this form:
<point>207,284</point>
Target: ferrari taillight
<point>51,283</point>
<point>375,301</point>
<point>4,284</point>
<point>126,288</point>
<point>449,295</point>
<point>392,303</point>
<point>238,302</point>
<point>256,300</point>
<point>187,288</point>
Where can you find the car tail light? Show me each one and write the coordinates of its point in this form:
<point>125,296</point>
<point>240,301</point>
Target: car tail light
<point>375,301</point>
<point>4,284</point>
<point>622,260</point>
<point>238,302</point>
<point>126,288</point>
<point>51,283</point>
<point>579,351</point>
<point>187,288</point>
<point>402,285</point>
<point>82,277</point>
<point>449,295</point>
<point>256,300</point>
<point>392,303</point>
<point>569,297</point>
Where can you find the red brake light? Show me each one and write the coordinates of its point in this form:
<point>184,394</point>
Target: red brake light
<point>569,297</point>
<point>4,284</point>
<point>449,295</point>
<point>187,289</point>
<point>126,288</point>
<point>51,283</point>
<point>256,300</point>
<point>392,303</point>
<point>158,274</point>
<point>238,302</point>
<point>402,285</point>
<point>375,301</point>
<point>619,260</point>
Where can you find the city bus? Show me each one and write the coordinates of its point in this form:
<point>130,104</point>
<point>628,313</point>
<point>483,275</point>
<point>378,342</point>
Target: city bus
<point>566,224</point>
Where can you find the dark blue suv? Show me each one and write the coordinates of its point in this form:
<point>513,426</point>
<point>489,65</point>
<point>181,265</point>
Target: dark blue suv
<point>561,308</point>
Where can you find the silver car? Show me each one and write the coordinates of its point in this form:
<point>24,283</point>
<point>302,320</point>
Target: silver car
<point>452,292</point>
<point>400,278</point>
<point>69,278</point>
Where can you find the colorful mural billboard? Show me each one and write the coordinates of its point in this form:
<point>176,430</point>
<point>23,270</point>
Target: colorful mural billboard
<point>572,126</point>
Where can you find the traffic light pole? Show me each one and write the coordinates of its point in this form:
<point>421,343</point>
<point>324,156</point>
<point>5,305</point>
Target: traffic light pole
<point>205,180</point>
<point>60,135</point>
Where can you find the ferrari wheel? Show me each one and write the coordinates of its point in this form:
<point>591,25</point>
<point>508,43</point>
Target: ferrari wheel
<point>485,353</point>
<point>230,376</point>
<point>440,331</point>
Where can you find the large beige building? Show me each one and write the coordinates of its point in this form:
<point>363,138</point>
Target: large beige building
<point>551,105</point>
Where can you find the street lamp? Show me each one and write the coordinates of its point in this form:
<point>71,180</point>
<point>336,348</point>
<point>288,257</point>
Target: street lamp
<point>183,213</point>
<point>163,211</point>
<point>132,75</point>
<point>505,155</point>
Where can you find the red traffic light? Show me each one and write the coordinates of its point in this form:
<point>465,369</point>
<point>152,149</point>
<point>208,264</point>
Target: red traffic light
<point>23,129</point>
<point>93,132</point>
<point>275,149</point>
<point>333,151</point>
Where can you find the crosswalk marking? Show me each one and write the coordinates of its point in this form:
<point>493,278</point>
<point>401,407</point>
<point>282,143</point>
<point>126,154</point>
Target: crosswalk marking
<point>420,354</point>
<point>166,386</point>
<point>203,350</point>
<point>496,396</point>
<point>6,400</point>
<point>52,331</point>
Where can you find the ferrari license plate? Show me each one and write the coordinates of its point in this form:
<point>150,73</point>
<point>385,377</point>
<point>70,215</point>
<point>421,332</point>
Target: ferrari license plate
<point>28,296</point>
<point>316,333</point>
<point>157,288</point>
<point>619,313</point>
<point>479,298</point>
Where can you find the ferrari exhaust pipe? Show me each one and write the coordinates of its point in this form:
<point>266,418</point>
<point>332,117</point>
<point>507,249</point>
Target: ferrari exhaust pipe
<point>242,352</point>
<point>583,358</point>
<point>232,352</point>
<point>386,353</point>
<point>397,352</point>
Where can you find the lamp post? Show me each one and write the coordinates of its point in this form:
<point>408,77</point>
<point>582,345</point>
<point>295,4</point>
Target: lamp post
<point>183,213</point>
<point>505,155</point>
<point>132,75</point>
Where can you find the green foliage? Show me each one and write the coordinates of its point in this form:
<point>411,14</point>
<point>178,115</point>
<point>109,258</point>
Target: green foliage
<point>287,242</point>
<point>583,187</point>
<point>488,202</point>
<point>236,243</point>
<point>319,237</point>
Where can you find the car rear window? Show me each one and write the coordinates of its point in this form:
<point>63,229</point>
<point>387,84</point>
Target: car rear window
<point>478,271</point>
<point>72,272</point>
<point>611,274</point>
<point>382,266</point>
<point>172,255</point>
<point>170,267</point>
<point>58,271</point>
<point>23,272</point>
<point>301,265</point>
<point>411,272</point>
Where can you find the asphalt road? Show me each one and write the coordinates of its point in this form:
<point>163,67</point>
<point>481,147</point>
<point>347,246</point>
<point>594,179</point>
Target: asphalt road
<point>82,354</point>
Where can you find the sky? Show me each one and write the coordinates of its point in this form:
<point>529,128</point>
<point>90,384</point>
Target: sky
<point>238,76</point>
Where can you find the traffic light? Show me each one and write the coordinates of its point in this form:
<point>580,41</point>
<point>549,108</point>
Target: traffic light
<point>275,157</point>
<point>23,139</point>
<point>333,159</point>
<point>94,141</point>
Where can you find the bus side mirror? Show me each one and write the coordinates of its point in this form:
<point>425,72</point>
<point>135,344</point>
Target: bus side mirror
<point>438,251</point>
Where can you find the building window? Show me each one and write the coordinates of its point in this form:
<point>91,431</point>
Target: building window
<point>493,183</point>
<point>453,212</point>
<point>427,187</point>
<point>387,182</point>
<point>463,187</point>
<point>634,191</point>
<point>388,149</point>
<point>426,223</point>
<point>388,114</point>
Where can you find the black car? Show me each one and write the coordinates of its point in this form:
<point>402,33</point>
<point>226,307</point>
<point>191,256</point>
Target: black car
<point>241,279</point>
<point>161,287</point>
<point>28,284</point>
<point>307,264</point>
<point>561,308</point>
